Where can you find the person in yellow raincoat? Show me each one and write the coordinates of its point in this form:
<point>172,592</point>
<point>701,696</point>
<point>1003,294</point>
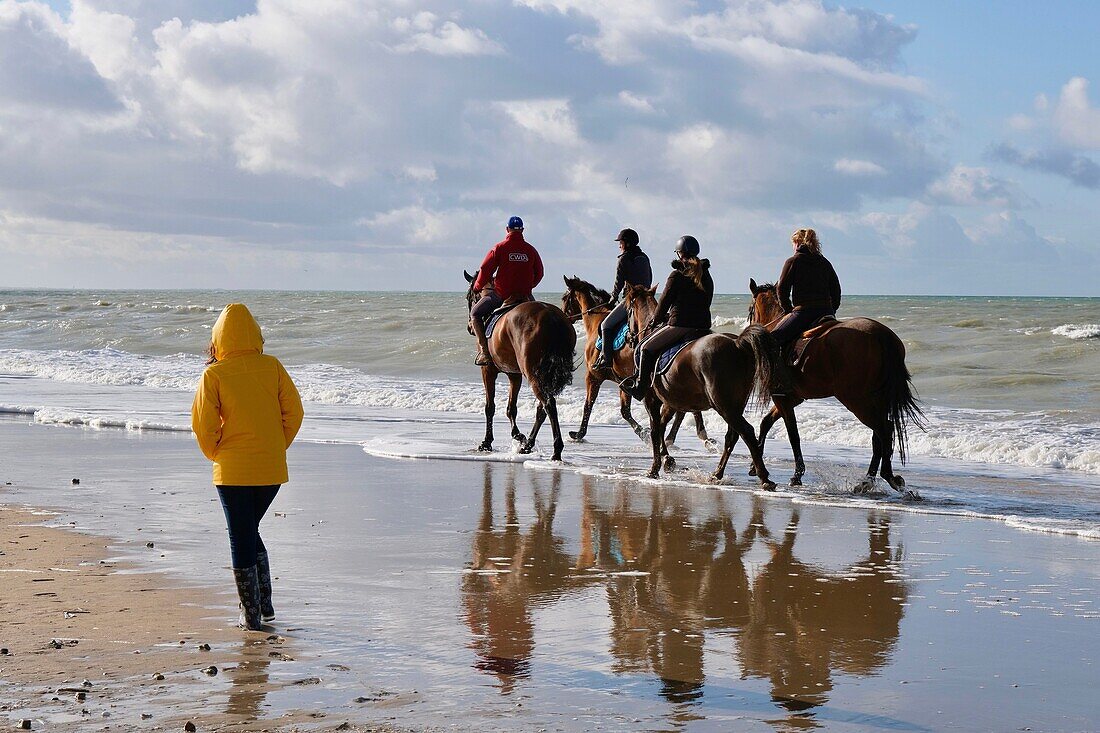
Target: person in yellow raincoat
<point>245,415</point>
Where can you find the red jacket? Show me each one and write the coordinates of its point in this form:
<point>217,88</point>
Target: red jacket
<point>516,264</point>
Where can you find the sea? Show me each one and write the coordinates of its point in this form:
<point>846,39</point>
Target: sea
<point>1010,388</point>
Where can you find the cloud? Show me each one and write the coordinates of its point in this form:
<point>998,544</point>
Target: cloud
<point>974,186</point>
<point>858,167</point>
<point>1075,121</point>
<point>1079,169</point>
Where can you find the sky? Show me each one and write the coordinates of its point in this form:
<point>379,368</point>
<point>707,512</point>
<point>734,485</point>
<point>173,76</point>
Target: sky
<point>938,147</point>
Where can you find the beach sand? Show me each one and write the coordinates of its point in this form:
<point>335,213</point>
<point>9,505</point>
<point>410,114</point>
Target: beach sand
<point>460,595</point>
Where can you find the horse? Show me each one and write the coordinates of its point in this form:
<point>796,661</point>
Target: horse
<point>861,362</point>
<point>717,372</point>
<point>584,302</point>
<point>535,341</point>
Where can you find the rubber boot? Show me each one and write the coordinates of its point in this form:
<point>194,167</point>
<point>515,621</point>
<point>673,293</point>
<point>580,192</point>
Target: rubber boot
<point>638,385</point>
<point>248,590</point>
<point>782,378</point>
<point>482,358</point>
<point>263,570</point>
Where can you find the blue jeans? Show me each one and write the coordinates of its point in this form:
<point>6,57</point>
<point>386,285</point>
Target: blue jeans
<point>795,322</point>
<point>244,507</point>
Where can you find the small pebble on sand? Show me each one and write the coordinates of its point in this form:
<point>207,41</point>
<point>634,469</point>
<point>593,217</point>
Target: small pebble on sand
<point>190,727</point>
<point>76,481</point>
<point>211,670</point>
<point>158,677</point>
<point>204,647</point>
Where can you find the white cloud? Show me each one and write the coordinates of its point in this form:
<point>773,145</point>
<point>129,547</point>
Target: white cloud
<point>858,167</point>
<point>636,103</point>
<point>1077,122</point>
<point>970,186</point>
<point>548,119</point>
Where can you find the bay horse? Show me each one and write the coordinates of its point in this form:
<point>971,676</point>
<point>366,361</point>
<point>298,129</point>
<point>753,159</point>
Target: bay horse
<point>861,362</point>
<point>535,341</point>
<point>585,302</point>
<point>717,372</point>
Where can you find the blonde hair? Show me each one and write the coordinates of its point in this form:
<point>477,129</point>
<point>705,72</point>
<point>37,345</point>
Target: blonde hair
<point>693,269</point>
<point>806,238</point>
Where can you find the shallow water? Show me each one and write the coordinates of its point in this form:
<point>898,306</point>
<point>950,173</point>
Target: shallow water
<point>524,597</point>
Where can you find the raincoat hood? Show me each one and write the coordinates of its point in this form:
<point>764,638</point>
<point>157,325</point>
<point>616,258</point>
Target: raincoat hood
<point>236,332</point>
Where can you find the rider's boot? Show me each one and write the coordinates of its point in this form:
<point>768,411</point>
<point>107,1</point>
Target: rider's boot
<point>482,358</point>
<point>638,385</point>
<point>782,375</point>
<point>601,361</point>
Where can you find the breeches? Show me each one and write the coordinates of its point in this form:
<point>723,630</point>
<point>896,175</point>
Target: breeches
<point>794,323</point>
<point>244,507</point>
<point>488,303</point>
<point>612,322</point>
<point>666,337</point>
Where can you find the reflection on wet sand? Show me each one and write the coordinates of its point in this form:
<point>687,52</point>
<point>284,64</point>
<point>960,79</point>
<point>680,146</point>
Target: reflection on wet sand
<point>249,681</point>
<point>678,588</point>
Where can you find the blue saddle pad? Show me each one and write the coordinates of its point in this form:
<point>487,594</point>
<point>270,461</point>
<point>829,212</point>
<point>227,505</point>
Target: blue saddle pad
<point>620,338</point>
<point>492,323</point>
<point>664,361</point>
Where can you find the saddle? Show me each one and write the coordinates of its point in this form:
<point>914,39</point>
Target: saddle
<point>493,317</point>
<point>796,350</point>
<point>620,339</point>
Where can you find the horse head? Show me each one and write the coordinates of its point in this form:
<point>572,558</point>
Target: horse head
<point>582,297</point>
<point>765,306</point>
<point>641,304</point>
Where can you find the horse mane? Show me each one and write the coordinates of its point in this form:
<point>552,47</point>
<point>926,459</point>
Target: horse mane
<point>596,295</point>
<point>752,303</point>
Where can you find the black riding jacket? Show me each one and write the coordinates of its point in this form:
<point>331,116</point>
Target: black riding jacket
<point>633,269</point>
<point>682,302</point>
<point>808,280</point>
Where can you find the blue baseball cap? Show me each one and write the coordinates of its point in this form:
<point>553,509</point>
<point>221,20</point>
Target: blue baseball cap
<point>515,223</point>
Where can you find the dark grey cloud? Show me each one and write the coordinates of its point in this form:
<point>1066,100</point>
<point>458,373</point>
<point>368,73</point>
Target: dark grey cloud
<point>1075,167</point>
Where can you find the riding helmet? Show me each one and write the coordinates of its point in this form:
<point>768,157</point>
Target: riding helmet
<point>629,237</point>
<point>689,245</point>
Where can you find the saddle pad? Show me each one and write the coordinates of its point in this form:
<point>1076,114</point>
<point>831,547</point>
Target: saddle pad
<point>664,361</point>
<point>495,316</point>
<point>620,339</point>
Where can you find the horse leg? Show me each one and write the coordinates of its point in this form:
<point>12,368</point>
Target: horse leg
<point>592,388</point>
<point>656,433</point>
<point>666,413</point>
<point>727,449</point>
<point>540,416</point>
<point>745,430</point>
<point>555,427</point>
<point>624,410</point>
<point>765,427</point>
<point>489,379</point>
<point>674,428</point>
<point>514,382</point>
<point>701,432</point>
<point>897,483</point>
<point>786,409</point>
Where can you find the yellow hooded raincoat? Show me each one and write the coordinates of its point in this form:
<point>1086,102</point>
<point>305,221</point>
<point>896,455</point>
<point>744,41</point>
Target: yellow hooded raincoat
<point>246,410</point>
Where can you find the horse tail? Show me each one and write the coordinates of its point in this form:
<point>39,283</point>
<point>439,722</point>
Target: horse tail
<point>765,351</point>
<point>555,370</point>
<point>902,404</point>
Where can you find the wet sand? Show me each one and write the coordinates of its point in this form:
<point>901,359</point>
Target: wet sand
<point>436,594</point>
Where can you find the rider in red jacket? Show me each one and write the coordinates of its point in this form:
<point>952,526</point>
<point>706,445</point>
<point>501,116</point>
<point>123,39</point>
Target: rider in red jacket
<point>508,274</point>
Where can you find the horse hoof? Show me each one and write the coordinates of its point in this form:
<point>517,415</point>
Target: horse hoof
<point>485,448</point>
<point>576,437</point>
<point>767,485</point>
<point>670,463</point>
<point>911,495</point>
<point>865,486</point>
<point>644,434</point>
<point>752,470</point>
<point>898,481</point>
<point>526,449</point>
<point>653,474</point>
<point>715,478</point>
<point>518,436</point>
<point>556,458</point>
<point>711,445</point>
<point>796,480</point>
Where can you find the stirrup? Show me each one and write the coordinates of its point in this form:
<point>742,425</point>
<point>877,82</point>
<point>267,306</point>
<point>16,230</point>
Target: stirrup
<point>482,359</point>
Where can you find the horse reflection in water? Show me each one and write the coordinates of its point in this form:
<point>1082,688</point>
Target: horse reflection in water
<point>674,570</point>
<point>511,571</point>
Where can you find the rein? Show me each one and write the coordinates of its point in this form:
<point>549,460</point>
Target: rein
<point>586,311</point>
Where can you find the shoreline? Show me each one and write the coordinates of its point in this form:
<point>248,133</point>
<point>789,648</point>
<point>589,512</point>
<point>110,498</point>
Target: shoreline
<point>430,595</point>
